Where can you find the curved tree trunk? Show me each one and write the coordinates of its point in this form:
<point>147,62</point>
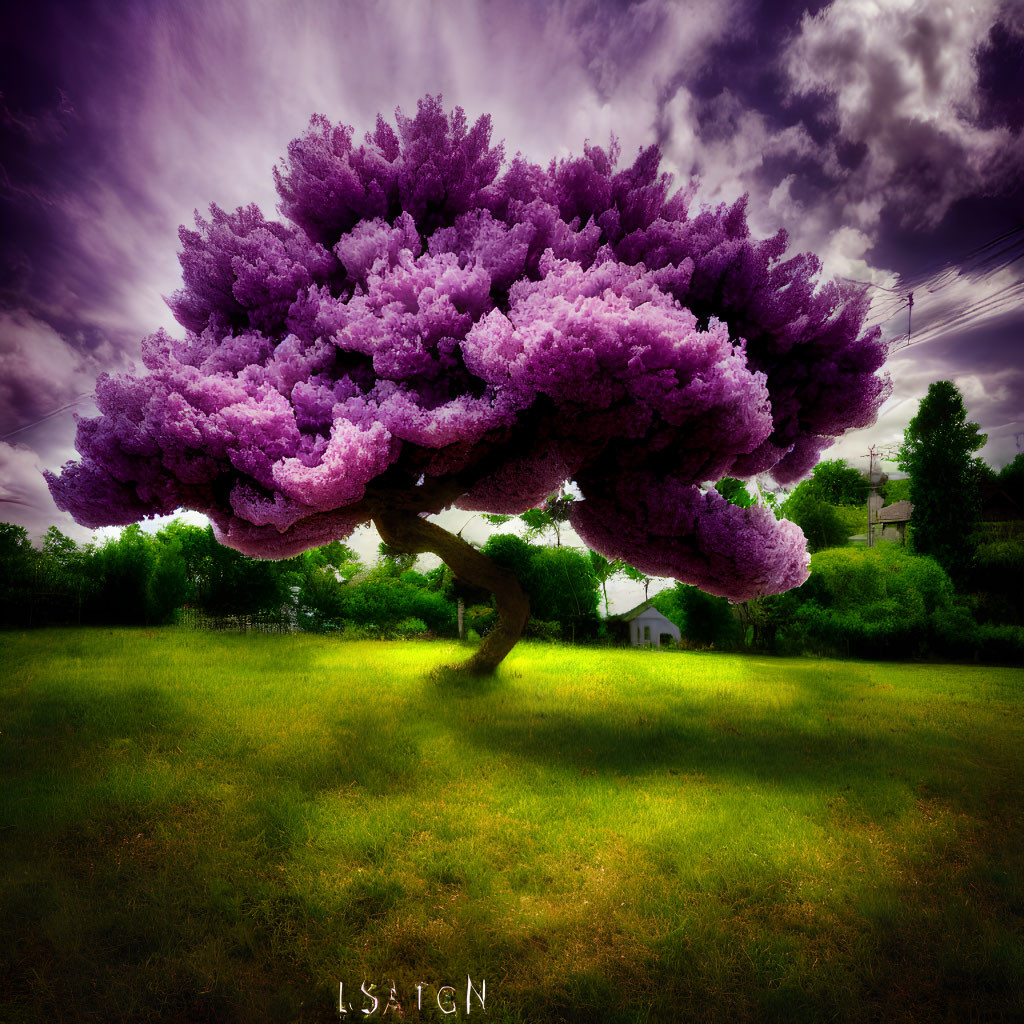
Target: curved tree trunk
<point>406,531</point>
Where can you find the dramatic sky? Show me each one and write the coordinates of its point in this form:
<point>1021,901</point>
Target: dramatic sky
<point>885,135</point>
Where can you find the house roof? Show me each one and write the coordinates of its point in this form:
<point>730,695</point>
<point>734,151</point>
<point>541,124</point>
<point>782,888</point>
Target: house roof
<point>898,512</point>
<point>635,613</point>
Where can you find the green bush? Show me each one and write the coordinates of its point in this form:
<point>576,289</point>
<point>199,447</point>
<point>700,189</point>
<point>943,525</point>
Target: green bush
<point>413,578</point>
<point>480,617</point>
<point>538,629</point>
<point>121,570</point>
<point>853,517</point>
<point>167,586</point>
<point>957,635</point>
<point>1000,643</point>
<point>560,582</point>
<point>320,595</point>
<point>407,629</point>
<point>883,602</point>
<point>703,619</point>
<point>880,631</point>
<point>821,523</point>
<point>1012,529</point>
<point>18,572</point>
<point>355,630</point>
<point>857,578</point>
<point>895,490</point>
<point>837,483</point>
<point>384,602</point>
<point>995,581</point>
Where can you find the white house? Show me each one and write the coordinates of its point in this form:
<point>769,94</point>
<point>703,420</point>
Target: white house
<point>647,626</point>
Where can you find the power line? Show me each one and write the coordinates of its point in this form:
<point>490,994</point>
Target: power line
<point>991,252</point>
<point>49,415</point>
<point>983,261</point>
<point>982,308</point>
<point>991,256</point>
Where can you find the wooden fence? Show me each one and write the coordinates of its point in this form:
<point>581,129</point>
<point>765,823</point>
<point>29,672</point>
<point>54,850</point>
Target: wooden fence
<point>192,618</point>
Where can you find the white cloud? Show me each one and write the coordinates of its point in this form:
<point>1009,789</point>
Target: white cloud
<point>229,84</point>
<point>727,163</point>
<point>903,77</point>
<point>24,497</point>
<point>40,371</point>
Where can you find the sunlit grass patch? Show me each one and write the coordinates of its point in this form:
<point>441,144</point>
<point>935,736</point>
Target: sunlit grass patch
<point>224,827</point>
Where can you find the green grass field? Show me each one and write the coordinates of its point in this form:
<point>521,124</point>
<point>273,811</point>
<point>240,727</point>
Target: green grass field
<point>222,828</point>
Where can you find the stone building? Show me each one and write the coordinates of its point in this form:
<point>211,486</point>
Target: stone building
<point>887,522</point>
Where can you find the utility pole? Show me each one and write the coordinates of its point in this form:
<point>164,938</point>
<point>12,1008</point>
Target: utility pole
<point>875,480</point>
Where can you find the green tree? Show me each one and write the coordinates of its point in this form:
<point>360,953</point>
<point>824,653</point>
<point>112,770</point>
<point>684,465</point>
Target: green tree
<point>464,595</point>
<point>193,543</point>
<point>938,454</point>
<point>19,567</point>
<point>1011,479</point>
<point>822,525</point>
<point>560,582</point>
<point>702,618</point>
<point>121,571</point>
<point>985,473</point>
<point>392,562</point>
<point>241,585</point>
<point>631,572</point>
<point>549,519</point>
<point>68,584</point>
<point>603,572</point>
<point>222,581</point>
<point>836,483</point>
<point>61,548</point>
<point>168,585</point>
<point>735,491</point>
<point>895,490</point>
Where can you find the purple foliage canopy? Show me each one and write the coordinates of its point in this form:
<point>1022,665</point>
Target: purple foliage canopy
<point>432,325</point>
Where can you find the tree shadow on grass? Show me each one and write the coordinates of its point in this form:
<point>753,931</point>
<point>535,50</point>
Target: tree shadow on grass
<point>373,751</point>
<point>927,940</point>
<point>455,680</point>
<point>254,926</point>
<point>801,748</point>
<point>60,733</point>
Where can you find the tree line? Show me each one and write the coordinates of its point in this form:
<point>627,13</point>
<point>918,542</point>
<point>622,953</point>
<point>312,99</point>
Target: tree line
<point>884,602</point>
<point>139,578</point>
<point>952,592</point>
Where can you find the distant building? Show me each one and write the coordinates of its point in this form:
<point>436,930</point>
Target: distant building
<point>645,626</point>
<point>887,522</point>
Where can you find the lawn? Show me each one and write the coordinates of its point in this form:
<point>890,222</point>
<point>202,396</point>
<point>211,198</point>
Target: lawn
<point>199,827</point>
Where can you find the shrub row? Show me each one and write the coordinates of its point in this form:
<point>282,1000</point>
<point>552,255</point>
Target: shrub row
<point>882,602</point>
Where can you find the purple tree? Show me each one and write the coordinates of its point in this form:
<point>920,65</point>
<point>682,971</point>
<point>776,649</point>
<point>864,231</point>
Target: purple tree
<point>431,326</point>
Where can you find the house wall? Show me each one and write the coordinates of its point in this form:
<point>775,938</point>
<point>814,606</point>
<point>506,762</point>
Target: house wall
<point>656,624</point>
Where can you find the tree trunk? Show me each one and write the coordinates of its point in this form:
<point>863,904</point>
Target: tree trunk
<point>406,531</point>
